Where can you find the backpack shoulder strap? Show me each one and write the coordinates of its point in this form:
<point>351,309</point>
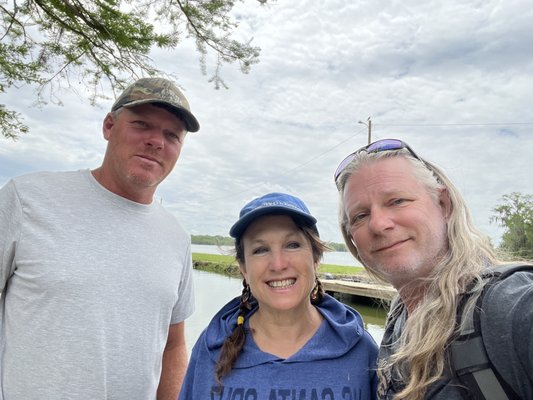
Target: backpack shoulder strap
<point>468,355</point>
<point>499,272</point>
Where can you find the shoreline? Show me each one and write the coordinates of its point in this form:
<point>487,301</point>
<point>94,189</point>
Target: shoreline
<point>335,278</point>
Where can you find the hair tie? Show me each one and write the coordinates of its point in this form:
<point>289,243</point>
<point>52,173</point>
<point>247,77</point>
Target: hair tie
<point>240,320</point>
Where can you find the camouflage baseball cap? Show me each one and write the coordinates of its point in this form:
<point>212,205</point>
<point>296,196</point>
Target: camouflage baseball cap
<point>158,90</point>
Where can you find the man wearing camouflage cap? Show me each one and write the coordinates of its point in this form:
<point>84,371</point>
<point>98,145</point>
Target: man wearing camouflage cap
<point>95,275</point>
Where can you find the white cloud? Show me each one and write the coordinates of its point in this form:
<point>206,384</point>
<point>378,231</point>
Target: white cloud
<point>422,71</point>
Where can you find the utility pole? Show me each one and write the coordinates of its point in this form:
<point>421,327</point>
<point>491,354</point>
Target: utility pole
<point>369,124</point>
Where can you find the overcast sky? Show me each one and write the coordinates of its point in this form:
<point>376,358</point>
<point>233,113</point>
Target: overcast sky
<point>454,79</point>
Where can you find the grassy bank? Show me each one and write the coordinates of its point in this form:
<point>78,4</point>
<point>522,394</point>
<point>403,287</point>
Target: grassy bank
<point>226,265</point>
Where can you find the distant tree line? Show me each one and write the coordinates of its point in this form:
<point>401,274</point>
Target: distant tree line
<point>212,240</point>
<point>218,240</point>
<point>514,214</point>
<point>338,246</point>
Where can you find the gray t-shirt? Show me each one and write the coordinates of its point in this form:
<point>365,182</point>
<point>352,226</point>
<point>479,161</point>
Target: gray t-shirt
<point>507,328</point>
<point>91,282</point>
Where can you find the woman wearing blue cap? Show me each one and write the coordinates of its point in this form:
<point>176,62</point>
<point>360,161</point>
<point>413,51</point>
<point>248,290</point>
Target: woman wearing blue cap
<point>283,338</point>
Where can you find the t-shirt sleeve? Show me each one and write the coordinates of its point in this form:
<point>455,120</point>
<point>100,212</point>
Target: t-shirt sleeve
<point>507,328</point>
<point>10,217</point>
<point>184,306</point>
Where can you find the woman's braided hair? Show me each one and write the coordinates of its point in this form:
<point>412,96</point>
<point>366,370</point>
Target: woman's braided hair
<point>234,343</point>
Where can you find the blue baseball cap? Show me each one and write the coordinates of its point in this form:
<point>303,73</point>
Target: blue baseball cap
<point>272,203</point>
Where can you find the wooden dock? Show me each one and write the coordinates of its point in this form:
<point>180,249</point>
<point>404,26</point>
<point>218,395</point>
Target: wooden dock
<point>363,289</point>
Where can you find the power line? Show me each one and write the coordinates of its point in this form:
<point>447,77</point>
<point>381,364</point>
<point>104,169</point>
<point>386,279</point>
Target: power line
<point>369,124</point>
<point>250,188</point>
<point>462,124</point>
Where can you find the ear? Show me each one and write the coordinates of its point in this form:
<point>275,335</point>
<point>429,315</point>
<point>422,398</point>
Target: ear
<point>445,203</point>
<point>107,125</point>
<point>242,268</point>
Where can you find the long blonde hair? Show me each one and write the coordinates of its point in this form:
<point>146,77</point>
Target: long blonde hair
<point>430,327</point>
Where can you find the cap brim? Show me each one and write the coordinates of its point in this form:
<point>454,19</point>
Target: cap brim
<point>191,123</point>
<point>240,226</point>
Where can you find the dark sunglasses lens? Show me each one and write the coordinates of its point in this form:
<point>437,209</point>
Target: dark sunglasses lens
<point>343,165</point>
<point>380,145</point>
<point>384,145</point>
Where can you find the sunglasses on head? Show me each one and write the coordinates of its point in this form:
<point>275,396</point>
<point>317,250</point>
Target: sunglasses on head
<point>375,147</point>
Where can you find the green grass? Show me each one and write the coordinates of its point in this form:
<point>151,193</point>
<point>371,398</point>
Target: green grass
<point>340,269</point>
<point>218,258</point>
<point>226,264</point>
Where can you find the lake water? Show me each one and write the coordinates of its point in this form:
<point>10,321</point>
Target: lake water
<point>214,290</point>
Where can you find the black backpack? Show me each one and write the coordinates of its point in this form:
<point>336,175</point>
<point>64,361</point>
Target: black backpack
<point>468,355</point>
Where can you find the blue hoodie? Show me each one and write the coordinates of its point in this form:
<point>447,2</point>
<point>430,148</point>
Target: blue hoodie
<point>337,363</point>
